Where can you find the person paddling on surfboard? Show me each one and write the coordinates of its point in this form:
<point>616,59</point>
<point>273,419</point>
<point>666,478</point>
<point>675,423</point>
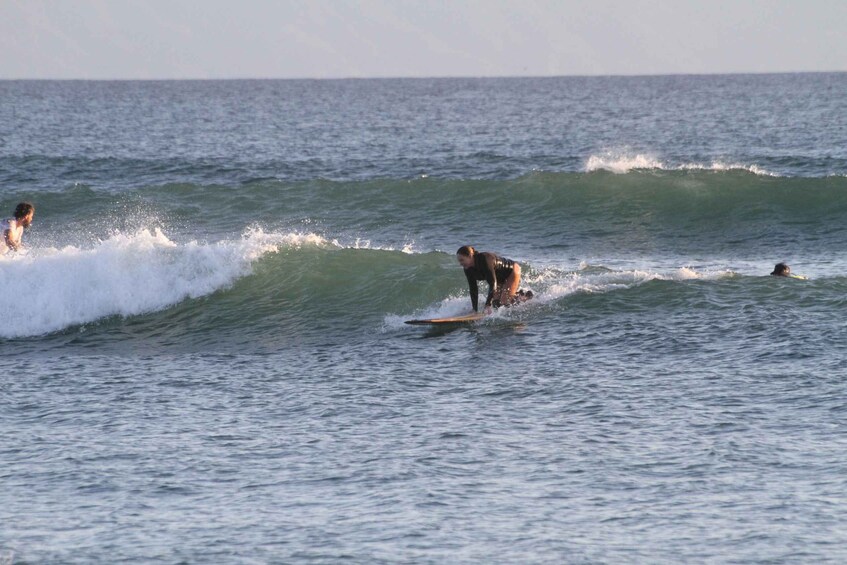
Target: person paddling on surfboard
<point>502,275</point>
<point>783,270</point>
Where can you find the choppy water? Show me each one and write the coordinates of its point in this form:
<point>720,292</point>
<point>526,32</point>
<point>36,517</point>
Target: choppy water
<point>206,359</point>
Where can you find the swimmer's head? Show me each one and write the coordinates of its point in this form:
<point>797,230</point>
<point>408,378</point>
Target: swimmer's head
<point>781,270</point>
<point>24,213</point>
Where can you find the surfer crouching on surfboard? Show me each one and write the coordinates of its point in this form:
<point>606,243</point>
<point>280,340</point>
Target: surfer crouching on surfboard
<point>502,275</point>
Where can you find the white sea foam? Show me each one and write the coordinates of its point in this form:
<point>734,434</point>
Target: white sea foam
<point>551,285</point>
<point>594,280</point>
<point>449,307</point>
<point>408,248</point>
<point>721,166</point>
<point>47,290</point>
<point>621,162</point>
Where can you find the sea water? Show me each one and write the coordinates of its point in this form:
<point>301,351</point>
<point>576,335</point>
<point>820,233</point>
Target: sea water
<point>204,355</point>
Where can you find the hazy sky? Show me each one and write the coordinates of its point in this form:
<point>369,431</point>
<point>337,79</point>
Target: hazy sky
<point>141,39</point>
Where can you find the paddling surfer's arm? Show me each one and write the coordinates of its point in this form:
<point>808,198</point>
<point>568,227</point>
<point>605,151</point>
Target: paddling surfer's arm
<point>491,279</point>
<point>474,288</point>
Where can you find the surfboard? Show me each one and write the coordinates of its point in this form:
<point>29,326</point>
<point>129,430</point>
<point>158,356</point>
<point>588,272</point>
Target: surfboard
<point>521,296</point>
<point>472,317</point>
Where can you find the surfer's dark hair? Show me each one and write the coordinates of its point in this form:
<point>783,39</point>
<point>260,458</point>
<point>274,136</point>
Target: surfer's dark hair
<point>465,250</point>
<point>23,209</point>
<point>780,269</point>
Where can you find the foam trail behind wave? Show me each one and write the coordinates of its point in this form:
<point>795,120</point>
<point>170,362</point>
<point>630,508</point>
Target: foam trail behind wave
<point>599,279</point>
<point>48,290</point>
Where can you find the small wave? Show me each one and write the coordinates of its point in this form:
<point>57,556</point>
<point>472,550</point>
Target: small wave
<point>48,290</point>
<point>621,163</point>
<point>552,285</point>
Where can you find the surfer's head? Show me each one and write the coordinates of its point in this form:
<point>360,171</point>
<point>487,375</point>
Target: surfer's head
<point>24,213</point>
<point>781,270</point>
<point>465,256</point>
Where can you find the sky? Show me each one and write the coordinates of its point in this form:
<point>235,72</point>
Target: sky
<point>193,39</point>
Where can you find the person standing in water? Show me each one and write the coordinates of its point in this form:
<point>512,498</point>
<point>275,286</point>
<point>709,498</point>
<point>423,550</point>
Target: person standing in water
<point>13,228</point>
<point>502,275</point>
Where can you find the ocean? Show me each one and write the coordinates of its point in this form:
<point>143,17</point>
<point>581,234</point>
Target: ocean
<point>205,359</point>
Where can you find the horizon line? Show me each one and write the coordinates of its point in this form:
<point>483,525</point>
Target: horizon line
<point>423,77</point>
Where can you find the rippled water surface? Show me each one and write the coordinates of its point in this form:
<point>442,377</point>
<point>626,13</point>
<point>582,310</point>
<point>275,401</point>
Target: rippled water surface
<point>206,360</point>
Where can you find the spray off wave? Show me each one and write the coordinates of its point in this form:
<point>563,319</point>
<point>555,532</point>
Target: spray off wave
<point>623,162</point>
<point>124,275</point>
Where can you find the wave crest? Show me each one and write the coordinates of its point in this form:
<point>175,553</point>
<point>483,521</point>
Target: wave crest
<point>123,275</point>
<point>623,162</point>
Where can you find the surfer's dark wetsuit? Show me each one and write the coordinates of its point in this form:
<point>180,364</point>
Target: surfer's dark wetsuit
<point>490,268</point>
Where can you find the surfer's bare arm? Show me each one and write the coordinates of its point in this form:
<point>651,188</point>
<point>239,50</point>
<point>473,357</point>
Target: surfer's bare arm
<point>11,242</point>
